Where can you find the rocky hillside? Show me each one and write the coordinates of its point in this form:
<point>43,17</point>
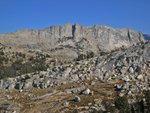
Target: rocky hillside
<point>93,84</point>
<point>68,42</point>
<point>74,69</point>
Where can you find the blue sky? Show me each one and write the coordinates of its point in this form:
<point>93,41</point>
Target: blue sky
<point>38,14</point>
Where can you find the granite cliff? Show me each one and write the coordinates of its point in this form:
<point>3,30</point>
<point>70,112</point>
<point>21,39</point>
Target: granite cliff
<point>70,41</point>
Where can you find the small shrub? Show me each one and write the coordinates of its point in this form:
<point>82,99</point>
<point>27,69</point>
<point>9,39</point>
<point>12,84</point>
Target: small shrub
<point>90,54</point>
<point>96,111</point>
<point>122,104</point>
<point>1,52</point>
<point>147,100</point>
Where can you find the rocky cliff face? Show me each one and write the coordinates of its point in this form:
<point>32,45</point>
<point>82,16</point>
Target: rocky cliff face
<point>70,41</point>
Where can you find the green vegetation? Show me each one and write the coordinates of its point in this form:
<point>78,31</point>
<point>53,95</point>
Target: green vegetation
<point>147,101</point>
<point>141,106</point>
<point>138,107</point>
<point>75,111</point>
<point>83,56</point>
<point>16,63</point>
<point>122,104</point>
<point>96,111</point>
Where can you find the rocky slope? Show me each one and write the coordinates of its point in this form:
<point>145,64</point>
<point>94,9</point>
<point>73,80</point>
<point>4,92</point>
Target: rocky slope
<point>84,85</point>
<point>68,42</point>
<point>124,64</point>
<point>73,68</point>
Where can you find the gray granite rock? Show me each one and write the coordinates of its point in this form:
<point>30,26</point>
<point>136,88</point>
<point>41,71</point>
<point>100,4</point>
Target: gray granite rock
<point>36,83</point>
<point>77,99</point>
<point>11,86</point>
<point>106,76</point>
<point>73,38</point>
<point>1,84</point>
<point>118,86</point>
<point>131,70</point>
<point>19,85</point>
<point>86,91</point>
<point>126,86</point>
<point>28,84</point>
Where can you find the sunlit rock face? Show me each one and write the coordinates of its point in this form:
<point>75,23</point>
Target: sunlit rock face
<point>71,40</point>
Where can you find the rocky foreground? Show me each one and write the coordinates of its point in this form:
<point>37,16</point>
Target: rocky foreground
<point>88,85</point>
<point>74,68</point>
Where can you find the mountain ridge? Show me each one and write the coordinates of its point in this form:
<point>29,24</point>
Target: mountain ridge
<point>70,41</point>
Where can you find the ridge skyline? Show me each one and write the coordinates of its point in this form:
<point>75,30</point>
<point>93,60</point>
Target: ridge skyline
<point>72,24</point>
<point>33,14</point>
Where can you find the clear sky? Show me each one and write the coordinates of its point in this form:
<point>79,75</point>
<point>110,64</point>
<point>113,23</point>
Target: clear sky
<point>38,14</point>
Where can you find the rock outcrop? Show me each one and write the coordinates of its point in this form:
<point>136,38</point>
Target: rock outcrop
<point>70,41</point>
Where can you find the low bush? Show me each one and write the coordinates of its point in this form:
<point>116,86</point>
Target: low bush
<point>122,104</point>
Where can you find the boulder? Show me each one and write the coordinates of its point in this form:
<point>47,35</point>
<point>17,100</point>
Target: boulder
<point>66,104</point>
<point>138,70</point>
<point>19,85</point>
<point>28,84</point>
<point>77,99</point>
<point>1,84</point>
<point>126,86</point>
<point>11,86</point>
<point>5,84</point>
<point>118,86</point>
<point>131,70</point>
<point>140,77</point>
<point>106,76</point>
<point>86,91</point>
<point>36,83</point>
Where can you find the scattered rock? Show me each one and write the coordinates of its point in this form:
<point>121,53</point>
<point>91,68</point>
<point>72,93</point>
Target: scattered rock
<point>106,76</point>
<point>131,70</point>
<point>89,104</point>
<point>140,77</point>
<point>118,86</point>
<point>126,86</point>
<point>75,90</point>
<point>28,84</point>
<point>19,85</point>
<point>93,83</point>
<point>86,91</point>
<point>77,99</point>
<point>66,104</point>
<point>121,94</point>
<point>91,93</point>
<point>11,86</point>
